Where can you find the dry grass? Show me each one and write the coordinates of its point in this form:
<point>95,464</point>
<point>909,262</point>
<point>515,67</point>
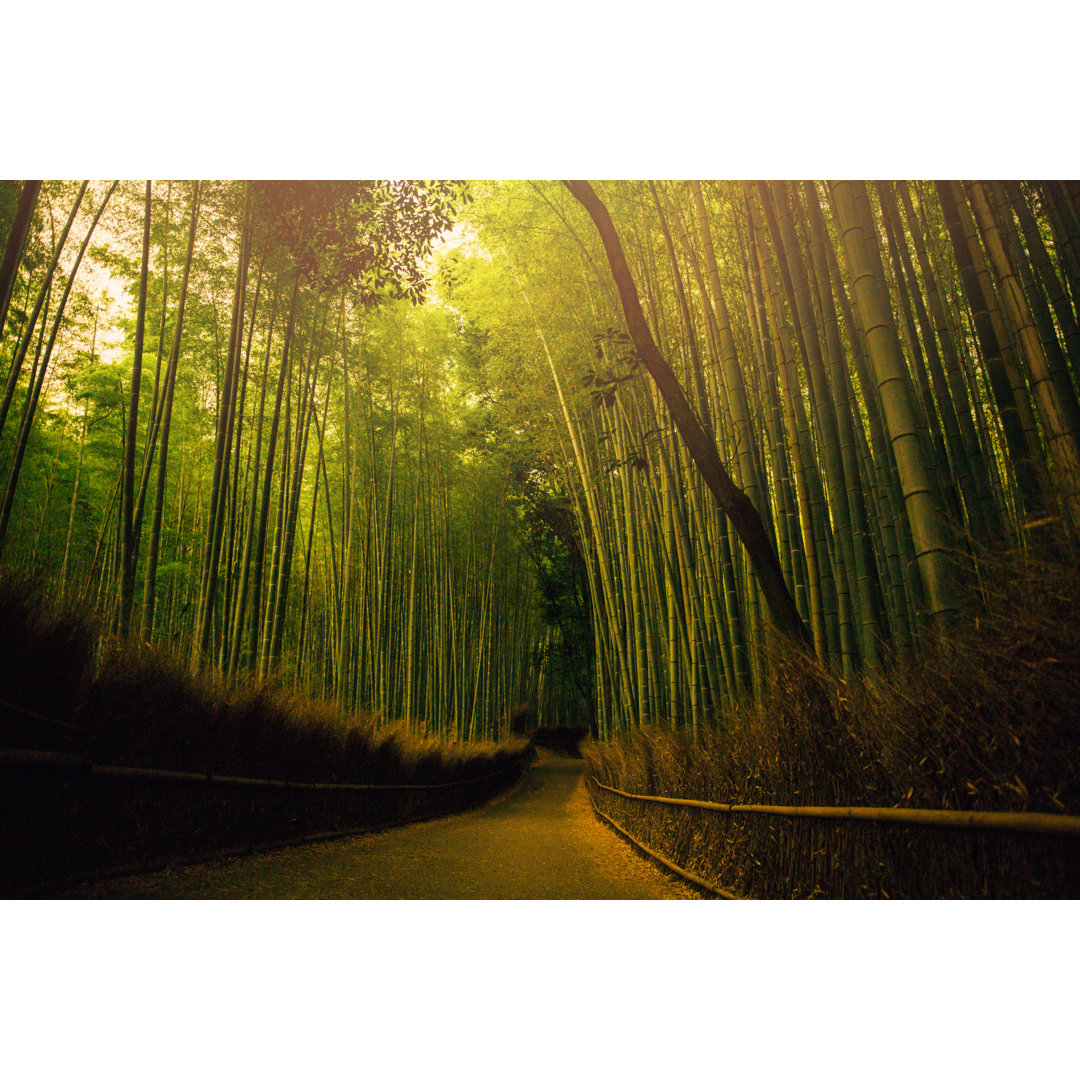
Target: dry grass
<point>988,720</point>
<point>139,706</point>
<point>46,654</point>
<point>65,687</point>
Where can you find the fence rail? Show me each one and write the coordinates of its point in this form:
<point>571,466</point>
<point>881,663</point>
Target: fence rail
<point>41,718</point>
<point>48,758</point>
<point>113,820</point>
<point>982,820</point>
<point>681,871</point>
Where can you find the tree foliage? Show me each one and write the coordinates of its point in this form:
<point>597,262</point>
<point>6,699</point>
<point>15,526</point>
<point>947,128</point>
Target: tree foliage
<point>439,474</point>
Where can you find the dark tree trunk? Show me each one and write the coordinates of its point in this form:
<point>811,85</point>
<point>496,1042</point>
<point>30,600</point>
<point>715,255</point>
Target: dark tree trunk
<point>127,504</point>
<point>730,498</point>
<point>150,586</point>
<point>16,241</point>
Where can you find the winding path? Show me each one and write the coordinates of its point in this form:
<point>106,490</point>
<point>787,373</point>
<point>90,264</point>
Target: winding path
<point>538,841</point>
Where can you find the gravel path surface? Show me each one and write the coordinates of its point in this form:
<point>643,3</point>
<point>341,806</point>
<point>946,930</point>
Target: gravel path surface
<point>539,841</point>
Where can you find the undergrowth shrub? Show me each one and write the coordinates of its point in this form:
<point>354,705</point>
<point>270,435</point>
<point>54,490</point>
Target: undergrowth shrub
<point>66,687</point>
<point>987,719</point>
<point>46,654</point>
<point>136,705</point>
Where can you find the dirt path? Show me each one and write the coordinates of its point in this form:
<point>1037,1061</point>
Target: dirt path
<point>540,841</point>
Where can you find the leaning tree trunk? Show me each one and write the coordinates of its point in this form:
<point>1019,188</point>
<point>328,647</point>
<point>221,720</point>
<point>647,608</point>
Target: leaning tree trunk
<point>16,241</point>
<point>733,501</point>
<point>33,391</point>
<point>43,294</point>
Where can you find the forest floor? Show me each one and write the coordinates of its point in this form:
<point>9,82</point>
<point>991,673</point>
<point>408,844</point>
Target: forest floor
<point>538,841</point>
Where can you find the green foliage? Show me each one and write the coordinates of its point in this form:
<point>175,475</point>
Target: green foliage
<point>369,234</point>
<point>481,501</point>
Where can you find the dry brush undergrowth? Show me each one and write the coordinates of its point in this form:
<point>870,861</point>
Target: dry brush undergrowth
<point>987,720</point>
<point>134,705</point>
<point>64,686</point>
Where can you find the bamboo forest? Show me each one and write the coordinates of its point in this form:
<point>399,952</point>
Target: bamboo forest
<point>753,493</point>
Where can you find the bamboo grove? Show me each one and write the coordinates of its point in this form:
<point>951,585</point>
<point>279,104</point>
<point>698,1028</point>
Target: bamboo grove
<point>888,371</point>
<point>629,429</point>
<point>265,468</point>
